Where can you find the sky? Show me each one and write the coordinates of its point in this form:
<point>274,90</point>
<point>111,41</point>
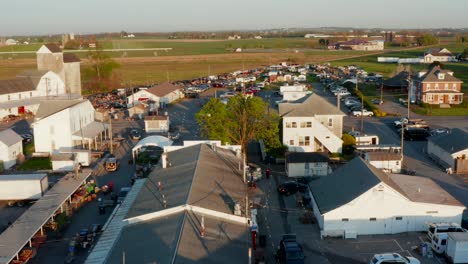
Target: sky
<point>32,17</point>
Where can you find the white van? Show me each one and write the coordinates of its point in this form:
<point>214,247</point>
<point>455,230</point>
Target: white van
<point>439,240</point>
<point>436,228</point>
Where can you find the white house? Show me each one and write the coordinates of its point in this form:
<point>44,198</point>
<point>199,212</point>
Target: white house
<point>450,150</point>
<point>11,144</point>
<point>156,124</point>
<point>387,161</point>
<point>439,54</point>
<point>164,93</point>
<point>359,199</point>
<point>10,42</point>
<point>311,124</point>
<point>62,125</point>
<point>307,164</point>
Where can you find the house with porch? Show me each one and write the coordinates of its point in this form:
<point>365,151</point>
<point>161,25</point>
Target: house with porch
<point>62,125</point>
<point>311,124</point>
<point>437,86</point>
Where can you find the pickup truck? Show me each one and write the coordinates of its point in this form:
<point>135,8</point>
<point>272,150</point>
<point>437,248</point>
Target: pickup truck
<point>419,123</point>
<point>364,113</point>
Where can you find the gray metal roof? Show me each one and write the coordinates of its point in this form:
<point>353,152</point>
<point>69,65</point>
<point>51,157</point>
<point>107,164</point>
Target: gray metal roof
<point>455,141</point>
<point>16,236</point>
<point>176,239</point>
<point>50,107</point>
<point>310,105</point>
<point>358,176</point>
<point>302,157</point>
<point>344,184</point>
<point>9,137</point>
<point>199,176</point>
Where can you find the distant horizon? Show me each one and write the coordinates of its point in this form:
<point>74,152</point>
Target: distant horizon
<point>52,17</point>
<point>312,30</point>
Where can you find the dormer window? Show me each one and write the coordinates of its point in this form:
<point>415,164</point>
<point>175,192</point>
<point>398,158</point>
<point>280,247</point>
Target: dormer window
<point>441,76</point>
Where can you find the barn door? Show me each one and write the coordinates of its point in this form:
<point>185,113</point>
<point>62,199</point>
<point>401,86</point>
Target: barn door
<point>388,225</point>
<point>399,224</point>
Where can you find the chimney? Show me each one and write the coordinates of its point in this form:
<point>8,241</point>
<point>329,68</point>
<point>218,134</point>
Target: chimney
<point>164,160</point>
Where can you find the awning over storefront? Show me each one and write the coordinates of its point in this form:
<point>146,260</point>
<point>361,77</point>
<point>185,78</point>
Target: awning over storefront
<point>90,131</point>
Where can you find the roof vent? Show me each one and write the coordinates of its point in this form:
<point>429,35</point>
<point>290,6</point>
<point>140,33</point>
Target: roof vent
<point>164,160</point>
<point>441,76</point>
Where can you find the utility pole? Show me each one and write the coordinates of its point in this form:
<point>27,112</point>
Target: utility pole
<point>381,91</point>
<point>362,114</point>
<point>409,88</point>
<point>338,97</point>
<point>111,147</point>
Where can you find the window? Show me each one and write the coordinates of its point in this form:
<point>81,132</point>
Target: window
<point>428,87</point>
<point>307,141</point>
<point>397,162</point>
<point>288,124</point>
<point>454,87</point>
<point>294,125</point>
<point>291,142</point>
<point>9,110</point>
<point>303,124</point>
<point>301,141</point>
<point>436,86</point>
<point>30,94</point>
<point>399,218</point>
<point>446,86</point>
<point>330,122</point>
<point>344,219</point>
<point>429,98</point>
<point>19,96</point>
<point>8,98</point>
<point>308,124</point>
<point>443,242</point>
<point>372,219</point>
<point>432,212</point>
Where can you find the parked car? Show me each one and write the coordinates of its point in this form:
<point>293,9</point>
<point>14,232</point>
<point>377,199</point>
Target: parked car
<point>227,95</point>
<point>437,228</point>
<point>355,107</point>
<point>364,112</point>
<point>291,187</point>
<point>277,94</point>
<point>393,258</point>
<point>439,131</point>
<point>289,251</point>
<point>135,134</point>
<point>342,93</point>
<point>377,101</point>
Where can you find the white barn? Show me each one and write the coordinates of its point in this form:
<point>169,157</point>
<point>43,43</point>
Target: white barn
<point>450,150</point>
<point>359,199</point>
<point>11,144</point>
<point>307,164</point>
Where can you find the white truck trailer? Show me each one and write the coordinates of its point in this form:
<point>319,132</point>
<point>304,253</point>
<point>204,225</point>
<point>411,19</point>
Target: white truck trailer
<point>457,247</point>
<point>21,188</point>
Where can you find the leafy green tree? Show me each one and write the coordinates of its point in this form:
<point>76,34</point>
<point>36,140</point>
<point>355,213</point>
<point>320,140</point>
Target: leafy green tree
<point>72,44</point>
<point>348,144</point>
<point>427,39</point>
<point>99,76</point>
<point>242,120</point>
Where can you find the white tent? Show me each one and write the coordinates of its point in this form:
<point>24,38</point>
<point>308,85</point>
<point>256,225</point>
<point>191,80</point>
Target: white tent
<point>157,141</point>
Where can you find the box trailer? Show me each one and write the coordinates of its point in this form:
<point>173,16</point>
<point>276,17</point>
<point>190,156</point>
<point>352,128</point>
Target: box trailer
<point>20,188</point>
<point>457,247</point>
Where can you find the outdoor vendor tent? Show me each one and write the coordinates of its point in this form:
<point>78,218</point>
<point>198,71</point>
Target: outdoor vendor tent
<point>157,141</point>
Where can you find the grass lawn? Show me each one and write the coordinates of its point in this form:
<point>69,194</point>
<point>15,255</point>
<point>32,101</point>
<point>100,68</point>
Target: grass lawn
<point>436,111</point>
<point>36,164</point>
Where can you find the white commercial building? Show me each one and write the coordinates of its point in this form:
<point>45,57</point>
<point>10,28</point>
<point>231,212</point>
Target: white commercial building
<point>312,124</point>
<point>63,124</point>
<point>307,164</point>
<point>450,150</point>
<point>159,95</point>
<point>11,145</point>
<point>387,161</point>
<point>359,199</point>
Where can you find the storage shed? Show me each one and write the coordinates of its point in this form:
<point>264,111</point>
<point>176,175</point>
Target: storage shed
<point>450,150</point>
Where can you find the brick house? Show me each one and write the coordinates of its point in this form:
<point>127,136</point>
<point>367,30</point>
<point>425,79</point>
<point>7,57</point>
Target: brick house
<point>437,86</point>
